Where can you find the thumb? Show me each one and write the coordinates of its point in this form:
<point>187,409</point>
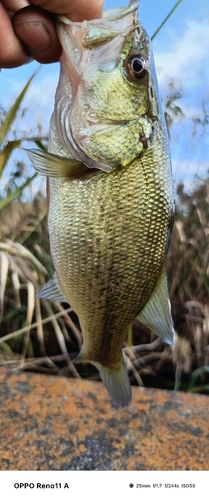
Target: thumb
<point>35,28</point>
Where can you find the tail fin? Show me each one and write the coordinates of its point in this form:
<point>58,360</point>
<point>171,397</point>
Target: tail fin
<point>116,382</point>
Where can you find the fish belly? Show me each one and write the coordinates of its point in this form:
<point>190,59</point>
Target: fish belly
<point>109,236</point>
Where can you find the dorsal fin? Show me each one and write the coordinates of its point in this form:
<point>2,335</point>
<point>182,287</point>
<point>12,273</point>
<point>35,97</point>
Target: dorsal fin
<point>51,291</point>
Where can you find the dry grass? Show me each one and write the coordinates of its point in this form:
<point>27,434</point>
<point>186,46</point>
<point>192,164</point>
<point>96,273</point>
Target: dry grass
<point>24,317</point>
<point>44,336</point>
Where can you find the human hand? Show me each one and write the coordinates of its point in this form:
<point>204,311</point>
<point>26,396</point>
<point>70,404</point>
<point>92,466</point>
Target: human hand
<point>28,32</point>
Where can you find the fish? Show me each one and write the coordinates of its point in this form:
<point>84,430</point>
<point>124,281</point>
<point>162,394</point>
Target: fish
<point>110,189</point>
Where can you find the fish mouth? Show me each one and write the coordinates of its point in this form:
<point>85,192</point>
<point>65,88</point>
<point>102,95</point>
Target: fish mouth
<point>88,37</point>
<point>108,15</point>
<point>94,33</point>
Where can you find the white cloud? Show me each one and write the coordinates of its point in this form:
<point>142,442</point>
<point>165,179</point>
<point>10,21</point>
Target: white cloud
<point>40,95</point>
<point>39,99</point>
<point>185,59</point>
<point>189,172</point>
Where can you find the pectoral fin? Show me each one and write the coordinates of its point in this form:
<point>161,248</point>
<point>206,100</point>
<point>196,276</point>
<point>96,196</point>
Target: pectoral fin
<point>51,291</point>
<point>156,314</point>
<point>51,165</point>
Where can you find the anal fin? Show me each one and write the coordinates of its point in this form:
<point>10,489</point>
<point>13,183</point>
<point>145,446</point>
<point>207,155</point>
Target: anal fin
<point>156,314</point>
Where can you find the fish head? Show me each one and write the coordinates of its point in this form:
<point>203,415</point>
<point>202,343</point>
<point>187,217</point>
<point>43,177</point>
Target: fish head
<point>106,98</point>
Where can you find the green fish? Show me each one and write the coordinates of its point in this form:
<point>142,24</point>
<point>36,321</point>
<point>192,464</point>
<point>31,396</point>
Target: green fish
<point>110,193</point>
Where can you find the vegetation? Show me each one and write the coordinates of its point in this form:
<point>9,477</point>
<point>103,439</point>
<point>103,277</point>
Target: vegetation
<point>45,336</point>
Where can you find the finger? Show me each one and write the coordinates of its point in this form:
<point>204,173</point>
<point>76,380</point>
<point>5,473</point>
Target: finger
<point>36,30</point>
<point>76,10</point>
<point>12,53</point>
<point>14,5</point>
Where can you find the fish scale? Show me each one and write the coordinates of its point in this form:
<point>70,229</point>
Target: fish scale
<point>97,270</point>
<point>110,190</point>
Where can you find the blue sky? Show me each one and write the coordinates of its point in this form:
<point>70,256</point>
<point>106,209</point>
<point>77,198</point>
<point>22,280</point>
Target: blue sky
<point>181,55</point>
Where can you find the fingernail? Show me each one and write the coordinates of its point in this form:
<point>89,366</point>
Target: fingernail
<point>34,35</point>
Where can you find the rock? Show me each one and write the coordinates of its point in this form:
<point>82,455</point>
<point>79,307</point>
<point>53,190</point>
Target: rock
<point>55,423</point>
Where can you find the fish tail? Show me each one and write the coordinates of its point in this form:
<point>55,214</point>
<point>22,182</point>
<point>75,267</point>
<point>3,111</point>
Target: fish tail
<point>116,381</point>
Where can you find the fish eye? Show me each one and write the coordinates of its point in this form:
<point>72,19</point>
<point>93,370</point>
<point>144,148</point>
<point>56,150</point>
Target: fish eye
<point>135,67</point>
